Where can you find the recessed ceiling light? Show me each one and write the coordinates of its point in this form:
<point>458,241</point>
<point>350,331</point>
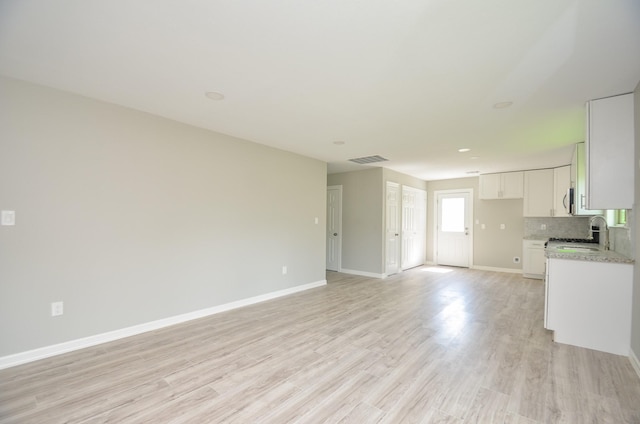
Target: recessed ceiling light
<point>214,95</point>
<point>464,150</point>
<point>338,143</point>
<point>502,105</point>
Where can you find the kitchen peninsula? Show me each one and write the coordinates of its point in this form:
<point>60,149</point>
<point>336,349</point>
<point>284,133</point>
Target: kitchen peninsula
<point>588,296</point>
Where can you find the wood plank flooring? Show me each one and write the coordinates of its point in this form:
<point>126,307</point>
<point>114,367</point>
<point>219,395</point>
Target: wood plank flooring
<point>463,346</point>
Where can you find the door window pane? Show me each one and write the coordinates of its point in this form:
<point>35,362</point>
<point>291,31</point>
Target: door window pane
<point>453,214</point>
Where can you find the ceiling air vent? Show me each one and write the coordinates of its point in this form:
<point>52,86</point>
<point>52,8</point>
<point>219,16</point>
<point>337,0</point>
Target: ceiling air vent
<point>369,159</point>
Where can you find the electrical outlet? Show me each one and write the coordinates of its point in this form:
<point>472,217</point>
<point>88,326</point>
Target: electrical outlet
<point>502,226</point>
<point>8,218</point>
<point>543,226</point>
<point>284,270</point>
<point>57,309</point>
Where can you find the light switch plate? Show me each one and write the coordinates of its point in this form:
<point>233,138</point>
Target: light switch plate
<point>8,217</point>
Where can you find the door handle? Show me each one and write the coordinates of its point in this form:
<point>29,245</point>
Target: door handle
<point>335,234</point>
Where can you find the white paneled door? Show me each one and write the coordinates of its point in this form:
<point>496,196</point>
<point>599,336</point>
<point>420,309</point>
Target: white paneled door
<point>453,228</point>
<point>334,227</point>
<point>414,224</point>
<point>392,234</point>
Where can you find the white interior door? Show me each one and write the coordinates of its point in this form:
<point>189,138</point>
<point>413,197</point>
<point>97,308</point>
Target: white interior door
<point>414,220</point>
<point>334,228</point>
<point>392,234</point>
<point>453,228</point>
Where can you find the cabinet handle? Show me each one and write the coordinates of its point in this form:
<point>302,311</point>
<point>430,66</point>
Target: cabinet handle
<point>583,203</point>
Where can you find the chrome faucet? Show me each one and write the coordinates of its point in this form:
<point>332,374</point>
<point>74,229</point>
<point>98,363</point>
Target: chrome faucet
<point>605,242</point>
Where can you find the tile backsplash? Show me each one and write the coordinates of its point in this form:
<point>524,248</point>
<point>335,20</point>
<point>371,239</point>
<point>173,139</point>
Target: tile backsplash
<point>620,241</point>
<point>577,227</point>
<point>569,227</point>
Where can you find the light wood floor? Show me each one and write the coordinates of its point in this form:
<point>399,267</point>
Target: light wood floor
<point>421,347</point>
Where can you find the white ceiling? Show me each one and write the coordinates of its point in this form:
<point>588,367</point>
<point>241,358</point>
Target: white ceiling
<point>410,80</point>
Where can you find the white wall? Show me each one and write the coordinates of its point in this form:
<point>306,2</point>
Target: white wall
<point>130,218</point>
<point>492,247</point>
<point>362,219</point>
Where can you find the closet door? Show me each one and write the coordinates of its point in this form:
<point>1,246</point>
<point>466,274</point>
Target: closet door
<point>414,220</point>
<point>392,233</point>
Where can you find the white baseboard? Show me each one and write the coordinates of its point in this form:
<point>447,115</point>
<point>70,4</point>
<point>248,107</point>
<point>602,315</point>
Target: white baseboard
<point>634,361</point>
<point>491,268</point>
<point>484,268</point>
<point>58,349</point>
<point>363,273</point>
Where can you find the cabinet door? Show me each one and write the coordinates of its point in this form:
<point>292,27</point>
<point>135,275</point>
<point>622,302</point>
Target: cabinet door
<point>533,259</point>
<point>538,192</point>
<point>594,309</point>
<point>490,186</point>
<point>610,153</point>
<point>579,181</point>
<point>561,184</point>
<point>508,185</point>
<point>512,185</point>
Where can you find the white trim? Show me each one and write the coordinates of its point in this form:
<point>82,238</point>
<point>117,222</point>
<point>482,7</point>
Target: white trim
<point>496,269</point>
<point>363,273</point>
<point>634,361</point>
<point>58,349</point>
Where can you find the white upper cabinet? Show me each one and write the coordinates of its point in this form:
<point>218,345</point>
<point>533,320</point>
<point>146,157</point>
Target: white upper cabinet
<point>561,185</point>
<point>538,193</point>
<point>579,182</point>
<point>507,185</point>
<point>610,153</point>
<point>546,192</point>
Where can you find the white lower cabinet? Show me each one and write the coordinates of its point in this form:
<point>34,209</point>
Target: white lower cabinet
<point>533,260</point>
<point>588,304</point>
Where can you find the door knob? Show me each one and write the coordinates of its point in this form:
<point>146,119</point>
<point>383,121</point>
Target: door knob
<point>335,234</point>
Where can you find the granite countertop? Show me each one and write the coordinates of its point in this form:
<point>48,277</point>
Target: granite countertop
<point>584,252</point>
